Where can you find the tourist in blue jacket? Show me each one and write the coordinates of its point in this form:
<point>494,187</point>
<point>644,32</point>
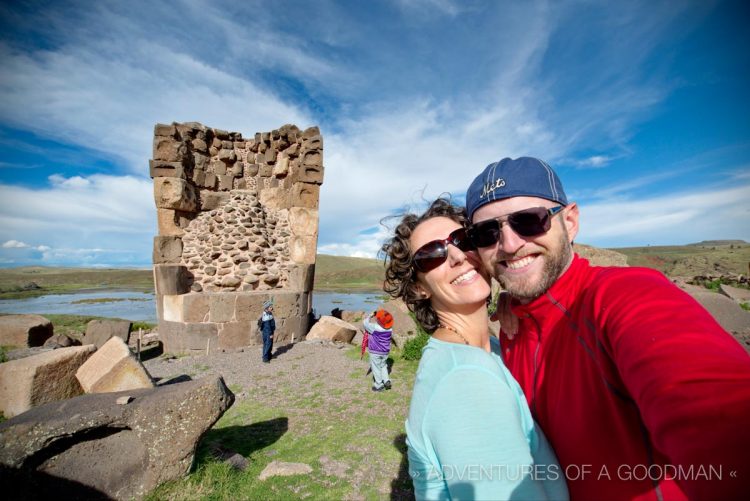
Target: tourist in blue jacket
<point>379,331</point>
<point>267,326</point>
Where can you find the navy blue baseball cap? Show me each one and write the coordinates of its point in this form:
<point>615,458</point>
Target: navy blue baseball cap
<point>522,177</point>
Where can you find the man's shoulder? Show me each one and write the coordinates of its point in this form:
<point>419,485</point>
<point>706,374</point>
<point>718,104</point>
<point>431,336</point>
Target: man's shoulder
<point>635,276</point>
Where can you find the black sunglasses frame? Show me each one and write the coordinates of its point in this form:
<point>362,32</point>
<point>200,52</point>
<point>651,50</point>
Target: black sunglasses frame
<point>435,252</point>
<point>482,232</point>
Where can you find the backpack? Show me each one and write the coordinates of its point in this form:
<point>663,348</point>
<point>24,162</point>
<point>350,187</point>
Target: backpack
<point>260,322</point>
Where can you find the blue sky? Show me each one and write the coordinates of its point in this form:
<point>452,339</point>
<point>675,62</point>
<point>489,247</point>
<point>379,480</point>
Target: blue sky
<point>642,108</point>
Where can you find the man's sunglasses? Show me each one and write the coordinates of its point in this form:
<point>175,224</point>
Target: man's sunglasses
<point>434,253</point>
<point>526,223</point>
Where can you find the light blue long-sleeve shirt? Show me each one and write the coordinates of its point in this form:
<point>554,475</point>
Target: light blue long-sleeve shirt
<point>470,432</point>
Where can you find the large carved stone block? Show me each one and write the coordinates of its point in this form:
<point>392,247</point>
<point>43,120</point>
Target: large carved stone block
<point>94,447</point>
<point>100,331</point>
<point>167,250</point>
<point>305,195</point>
<point>249,305</point>
<point>183,337</point>
<point>172,222</point>
<point>171,279</point>
<point>238,334</point>
<point>169,149</point>
<point>42,378</point>
<point>221,307</point>
<point>303,221</point>
<point>172,307</point>
<point>113,368</point>
<point>24,330</point>
<point>195,307</point>
<point>302,249</point>
<point>159,168</point>
<point>301,277</point>
<point>174,193</point>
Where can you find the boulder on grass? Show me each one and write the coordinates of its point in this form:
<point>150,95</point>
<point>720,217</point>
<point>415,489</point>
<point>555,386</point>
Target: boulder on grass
<point>94,447</point>
<point>332,329</point>
<point>42,378</point>
<point>24,331</point>
<point>99,332</point>
<point>113,368</point>
<point>727,312</point>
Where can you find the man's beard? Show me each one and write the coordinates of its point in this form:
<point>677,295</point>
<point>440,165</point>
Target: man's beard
<point>555,262</point>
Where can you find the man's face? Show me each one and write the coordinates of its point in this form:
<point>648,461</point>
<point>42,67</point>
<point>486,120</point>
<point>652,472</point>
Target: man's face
<point>527,266</point>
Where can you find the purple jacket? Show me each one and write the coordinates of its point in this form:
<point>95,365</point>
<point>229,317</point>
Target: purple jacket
<point>379,340</point>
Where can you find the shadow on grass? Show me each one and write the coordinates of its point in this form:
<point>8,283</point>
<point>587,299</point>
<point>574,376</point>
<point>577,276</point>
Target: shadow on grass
<point>244,439</point>
<point>401,486</point>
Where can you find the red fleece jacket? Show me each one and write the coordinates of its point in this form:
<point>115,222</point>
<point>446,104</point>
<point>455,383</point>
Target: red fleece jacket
<point>640,392</point>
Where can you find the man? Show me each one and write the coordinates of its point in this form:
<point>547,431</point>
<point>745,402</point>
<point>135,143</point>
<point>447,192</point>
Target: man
<point>267,326</point>
<point>640,392</point>
<point>379,327</point>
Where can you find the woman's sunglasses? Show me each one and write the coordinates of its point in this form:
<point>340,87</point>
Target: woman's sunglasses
<point>434,253</point>
<point>526,223</point>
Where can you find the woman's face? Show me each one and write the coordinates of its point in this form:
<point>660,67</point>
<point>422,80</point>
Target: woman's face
<point>459,280</point>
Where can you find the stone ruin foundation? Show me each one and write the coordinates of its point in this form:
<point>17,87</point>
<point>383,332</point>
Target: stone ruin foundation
<point>238,225</point>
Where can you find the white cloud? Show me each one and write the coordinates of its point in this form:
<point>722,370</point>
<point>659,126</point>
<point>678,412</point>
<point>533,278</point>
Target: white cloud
<point>82,220</point>
<point>595,161</point>
<point>673,219</point>
<point>14,244</point>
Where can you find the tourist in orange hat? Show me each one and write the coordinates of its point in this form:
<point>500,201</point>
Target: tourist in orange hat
<point>379,327</point>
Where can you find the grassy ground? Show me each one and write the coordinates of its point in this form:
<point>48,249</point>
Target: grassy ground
<point>337,273</point>
<point>351,437</point>
<point>692,260</point>
<point>13,281</point>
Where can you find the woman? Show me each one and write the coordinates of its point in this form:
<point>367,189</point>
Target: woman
<point>470,433</point>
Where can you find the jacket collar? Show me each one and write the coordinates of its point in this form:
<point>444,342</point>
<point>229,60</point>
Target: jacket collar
<point>563,291</point>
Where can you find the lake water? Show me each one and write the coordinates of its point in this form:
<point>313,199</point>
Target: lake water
<point>142,306</point>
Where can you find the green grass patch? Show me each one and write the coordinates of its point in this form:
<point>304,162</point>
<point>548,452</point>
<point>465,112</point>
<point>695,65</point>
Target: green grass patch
<point>338,438</point>
<point>108,300</point>
<point>3,354</point>
<point>745,306</point>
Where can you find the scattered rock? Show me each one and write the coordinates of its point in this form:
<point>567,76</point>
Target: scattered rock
<point>99,332</point>
<point>735,293</point>
<point>61,341</point>
<point>332,329</point>
<point>281,469</point>
<point>42,378</point>
<point>93,445</point>
<point>24,330</point>
<point>727,312</point>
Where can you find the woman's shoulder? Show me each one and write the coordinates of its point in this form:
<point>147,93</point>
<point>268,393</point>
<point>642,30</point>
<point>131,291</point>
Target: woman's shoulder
<point>441,358</point>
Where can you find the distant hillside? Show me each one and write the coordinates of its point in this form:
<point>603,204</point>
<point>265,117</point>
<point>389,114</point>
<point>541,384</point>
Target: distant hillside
<point>348,273</point>
<point>29,281</point>
<point>708,243</point>
<point>712,257</point>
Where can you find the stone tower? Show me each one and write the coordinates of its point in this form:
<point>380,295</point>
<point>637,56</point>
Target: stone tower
<point>238,225</point>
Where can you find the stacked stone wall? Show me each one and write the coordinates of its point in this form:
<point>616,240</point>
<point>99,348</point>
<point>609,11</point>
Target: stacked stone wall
<point>236,217</point>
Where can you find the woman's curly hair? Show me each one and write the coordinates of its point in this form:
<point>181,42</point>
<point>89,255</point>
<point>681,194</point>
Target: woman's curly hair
<point>400,276</point>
